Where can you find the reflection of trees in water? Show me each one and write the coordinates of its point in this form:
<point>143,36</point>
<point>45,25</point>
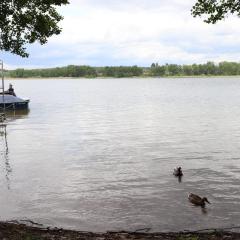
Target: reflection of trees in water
<point>5,152</point>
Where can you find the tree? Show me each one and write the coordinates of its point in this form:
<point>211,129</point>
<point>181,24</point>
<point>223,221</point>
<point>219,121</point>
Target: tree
<point>174,69</point>
<point>153,65</point>
<point>187,70</point>
<point>27,21</point>
<point>158,71</point>
<point>229,68</point>
<point>215,10</point>
<point>211,69</point>
<point>195,69</point>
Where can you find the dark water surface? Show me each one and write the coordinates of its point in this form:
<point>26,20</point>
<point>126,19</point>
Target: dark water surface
<point>98,154</point>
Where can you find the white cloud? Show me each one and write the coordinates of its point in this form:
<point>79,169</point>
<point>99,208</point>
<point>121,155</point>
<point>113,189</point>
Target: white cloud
<point>138,32</point>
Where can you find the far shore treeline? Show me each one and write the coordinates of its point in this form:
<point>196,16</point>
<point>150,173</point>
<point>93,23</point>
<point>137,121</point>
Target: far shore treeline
<point>155,70</point>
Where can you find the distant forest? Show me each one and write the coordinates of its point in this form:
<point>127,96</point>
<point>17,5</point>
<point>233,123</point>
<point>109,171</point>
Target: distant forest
<point>155,70</point>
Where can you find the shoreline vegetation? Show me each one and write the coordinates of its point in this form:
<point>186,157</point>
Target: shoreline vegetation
<point>209,69</point>
<point>18,231</point>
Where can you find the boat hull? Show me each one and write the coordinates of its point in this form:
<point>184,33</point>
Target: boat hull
<point>10,102</point>
<point>15,105</point>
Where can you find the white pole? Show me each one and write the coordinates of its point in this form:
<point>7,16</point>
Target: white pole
<point>2,76</point>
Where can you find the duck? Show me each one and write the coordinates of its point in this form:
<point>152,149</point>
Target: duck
<point>197,200</point>
<point>178,172</point>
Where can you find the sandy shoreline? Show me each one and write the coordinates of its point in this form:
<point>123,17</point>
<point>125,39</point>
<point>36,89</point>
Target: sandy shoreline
<point>18,231</point>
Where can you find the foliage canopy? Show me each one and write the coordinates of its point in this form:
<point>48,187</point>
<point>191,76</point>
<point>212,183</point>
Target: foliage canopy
<point>27,21</point>
<point>156,70</point>
<point>215,10</point>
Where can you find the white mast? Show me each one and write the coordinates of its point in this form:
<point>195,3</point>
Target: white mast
<point>3,93</point>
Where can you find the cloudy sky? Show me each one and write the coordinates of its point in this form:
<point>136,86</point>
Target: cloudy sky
<point>133,32</point>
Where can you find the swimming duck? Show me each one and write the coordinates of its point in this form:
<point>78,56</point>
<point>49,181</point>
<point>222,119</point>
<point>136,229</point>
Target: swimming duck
<point>178,172</point>
<point>195,199</point>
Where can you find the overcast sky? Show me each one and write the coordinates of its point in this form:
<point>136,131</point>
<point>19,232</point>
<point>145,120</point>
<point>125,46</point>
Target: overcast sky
<point>133,32</point>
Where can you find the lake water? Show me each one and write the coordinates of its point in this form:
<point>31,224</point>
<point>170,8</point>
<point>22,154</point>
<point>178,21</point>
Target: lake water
<point>98,154</point>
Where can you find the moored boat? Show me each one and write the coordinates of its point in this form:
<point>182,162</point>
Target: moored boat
<point>8,99</point>
<point>10,102</point>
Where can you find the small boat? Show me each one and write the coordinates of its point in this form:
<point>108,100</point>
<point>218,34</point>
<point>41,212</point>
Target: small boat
<point>11,102</point>
<point>196,200</point>
<point>8,99</point>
